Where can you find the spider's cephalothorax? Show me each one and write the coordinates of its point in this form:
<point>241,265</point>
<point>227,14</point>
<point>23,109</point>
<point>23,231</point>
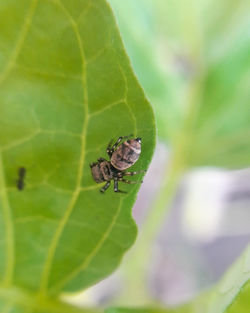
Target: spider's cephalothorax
<point>122,156</point>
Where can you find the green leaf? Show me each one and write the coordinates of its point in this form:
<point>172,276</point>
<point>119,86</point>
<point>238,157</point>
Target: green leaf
<point>135,310</point>
<point>232,293</point>
<point>66,89</point>
<point>241,302</point>
<point>181,309</point>
<point>14,300</point>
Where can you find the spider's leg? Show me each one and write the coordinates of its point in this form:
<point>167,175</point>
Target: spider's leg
<point>129,181</point>
<point>116,187</point>
<point>133,173</point>
<point>101,160</point>
<point>111,149</point>
<point>105,187</point>
<point>93,164</point>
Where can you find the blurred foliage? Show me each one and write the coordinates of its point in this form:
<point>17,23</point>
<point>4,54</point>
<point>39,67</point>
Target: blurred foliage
<point>229,295</point>
<point>193,60</point>
<point>141,310</point>
<point>232,293</point>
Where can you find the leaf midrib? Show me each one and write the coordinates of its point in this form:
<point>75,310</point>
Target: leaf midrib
<point>10,251</point>
<point>20,40</point>
<point>92,254</point>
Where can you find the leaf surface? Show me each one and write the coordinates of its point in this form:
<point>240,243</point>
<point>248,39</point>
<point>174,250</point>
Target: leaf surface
<point>66,89</point>
<point>232,293</point>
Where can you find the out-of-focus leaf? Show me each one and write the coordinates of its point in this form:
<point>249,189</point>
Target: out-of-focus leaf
<point>223,124</point>
<point>66,89</point>
<point>14,300</point>
<point>131,310</point>
<point>241,302</point>
<point>201,45</point>
<point>138,21</point>
<point>148,310</point>
<point>232,293</point>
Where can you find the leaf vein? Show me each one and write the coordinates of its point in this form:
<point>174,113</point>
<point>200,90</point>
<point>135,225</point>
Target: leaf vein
<point>126,99</point>
<point>61,225</point>
<point>121,101</point>
<point>59,285</point>
<point>20,40</point>
<point>10,252</point>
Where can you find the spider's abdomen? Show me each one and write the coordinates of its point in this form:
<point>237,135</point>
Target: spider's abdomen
<point>126,154</point>
<point>102,172</point>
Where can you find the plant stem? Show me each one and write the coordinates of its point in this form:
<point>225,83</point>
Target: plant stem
<point>137,265</point>
<point>137,262</point>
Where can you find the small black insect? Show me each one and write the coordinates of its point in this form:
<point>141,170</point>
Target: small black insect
<point>121,157</point>
<point>21,175</point>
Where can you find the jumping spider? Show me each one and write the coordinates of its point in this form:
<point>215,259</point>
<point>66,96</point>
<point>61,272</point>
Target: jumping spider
<point>122,156</point>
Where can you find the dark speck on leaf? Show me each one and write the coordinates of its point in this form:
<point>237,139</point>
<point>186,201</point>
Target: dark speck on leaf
<point>21,175</point>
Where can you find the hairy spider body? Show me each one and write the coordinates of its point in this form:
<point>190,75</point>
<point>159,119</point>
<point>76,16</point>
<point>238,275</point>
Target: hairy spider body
<point>122,156</point>
<point>126,154</point>
<point>102,171</point>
